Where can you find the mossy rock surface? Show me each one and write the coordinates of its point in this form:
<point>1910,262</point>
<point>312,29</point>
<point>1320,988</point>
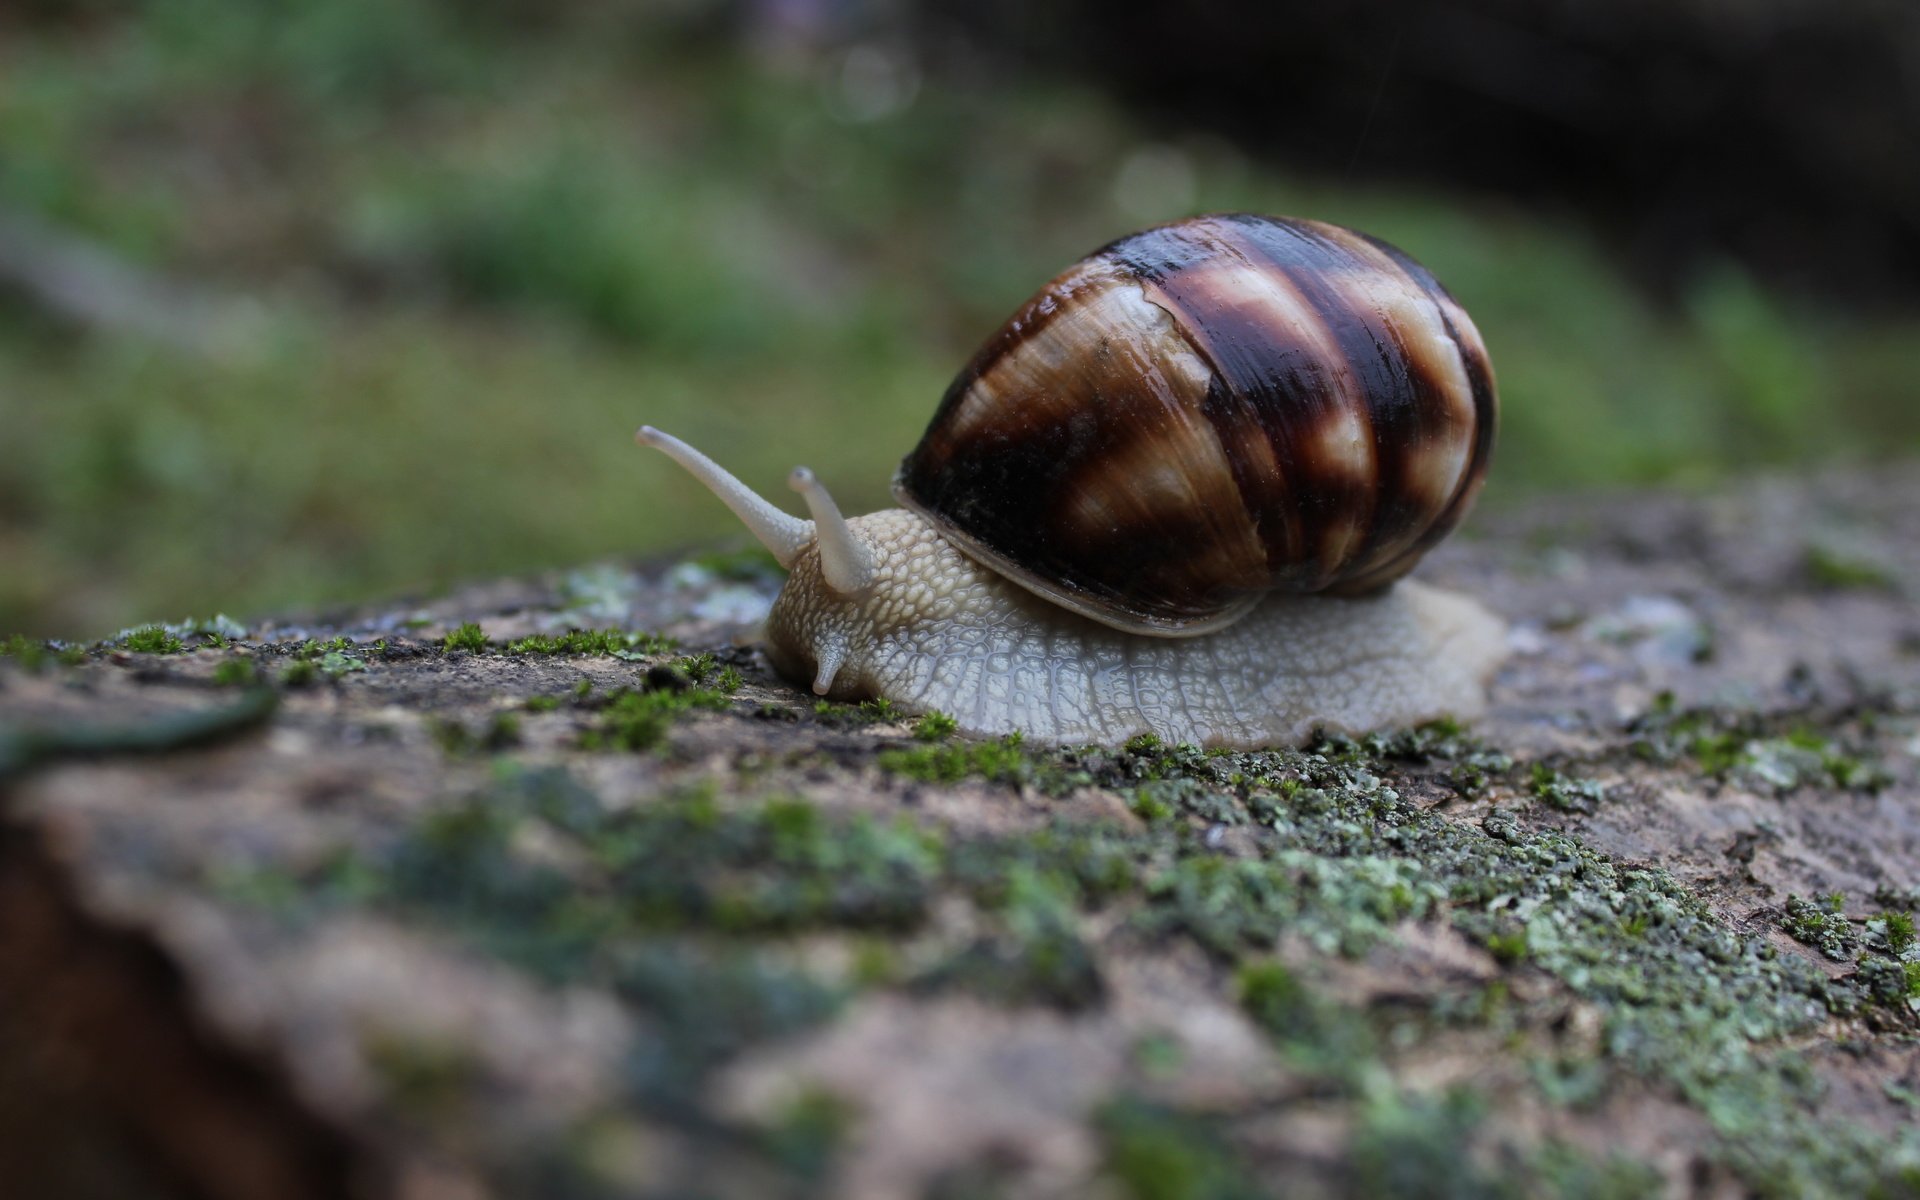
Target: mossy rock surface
<point>448,900</point>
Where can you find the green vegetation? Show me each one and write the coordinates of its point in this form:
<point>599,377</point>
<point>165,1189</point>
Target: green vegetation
<point>1729,743</point>
<point>34,655</point>
<point>469,637</point>
<point>854,716</point>
<point>1842,568</point>
<point>934,727</point>
<point>500,731</point>
<point>1897,929</point>
<point>639,720</point>
<point>464,320</point>
<point>1157,1153</point>
<point>334,664</point>
<point>807,1132</point>
<point>620,643</point>
<point>151,639</point>
<point>672,902</point>
<point>1822,924</point>
<point>1002,761</point>
<point>1559,791</point>
<point>236,672</point>
<point>1689,1001</point>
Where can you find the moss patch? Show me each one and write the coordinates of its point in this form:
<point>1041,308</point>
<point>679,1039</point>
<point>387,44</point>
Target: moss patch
<point>1753,749</point>
<point>682,906</point>
<point>582,643</point>
<point>150,639</point>
<point>632,720</point>
<point>469,637</point>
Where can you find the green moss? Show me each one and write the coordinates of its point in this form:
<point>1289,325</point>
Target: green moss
<point>707,1003</point>
<point>1332,1041</point>
<point>1410,1146</point>
<point>336,664</point>
<point>1152,1152</point>
<point>1149,807</point>
<point>30,653</point>
<point>638,720</point>
<point>999,762</point>
<point>316,648</point>
<point>934,727</point>
<point>1235,905</point>
<point>469,637</point>
<point>500,731</point>
<point>1273,997</point>
<point>807,1133</point>
<point>236,672</point>
<point>1893,984</point>
<point>299,673</point>
<point>541,704</point>
<point>1331,856</point>
<point>1896,928</point>
<point>1822,925</point>
<point>1752,748</point>
<point>680,864</point>
<point>583,643</point>
<point>1053,967</point>
<point>1508,946</point>
<point>1403,1146</point>
<point>150,639</point>
<point>35,656</point>
<point>855,716</point>
<point>1833,566</point>
<point>1687,1000</point>
<point>1004,761</point>
<point>1034,953</point>
<point>1559,791</point>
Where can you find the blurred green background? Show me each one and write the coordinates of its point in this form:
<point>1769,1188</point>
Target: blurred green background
<point>364,296</point>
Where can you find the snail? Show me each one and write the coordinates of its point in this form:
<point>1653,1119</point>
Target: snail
<point>1171,495</point>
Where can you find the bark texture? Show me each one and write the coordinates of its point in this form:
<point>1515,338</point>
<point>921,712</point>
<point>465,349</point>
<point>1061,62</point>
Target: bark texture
<point>332,909</point>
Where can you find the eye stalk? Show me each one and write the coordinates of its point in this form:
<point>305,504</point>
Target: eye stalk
<point>783,534</point>
<point>845,561</point>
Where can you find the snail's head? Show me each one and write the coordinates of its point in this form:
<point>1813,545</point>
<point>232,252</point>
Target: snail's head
<point>837,602</point>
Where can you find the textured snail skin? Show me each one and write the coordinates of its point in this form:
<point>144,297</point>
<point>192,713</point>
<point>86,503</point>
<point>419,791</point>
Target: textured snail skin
<point>936,631</point>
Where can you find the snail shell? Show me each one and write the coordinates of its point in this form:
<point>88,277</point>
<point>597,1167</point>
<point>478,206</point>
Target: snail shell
<point>1209,410</point>
<point>1228,434</point>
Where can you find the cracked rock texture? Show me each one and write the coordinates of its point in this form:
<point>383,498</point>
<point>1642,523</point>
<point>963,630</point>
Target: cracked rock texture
<point>325,908</point>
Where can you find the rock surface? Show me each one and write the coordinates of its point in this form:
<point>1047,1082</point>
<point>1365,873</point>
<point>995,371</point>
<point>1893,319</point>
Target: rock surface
<point>331,909</point>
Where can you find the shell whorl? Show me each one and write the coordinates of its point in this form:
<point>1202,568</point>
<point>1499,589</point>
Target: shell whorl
<point>1209,410</point>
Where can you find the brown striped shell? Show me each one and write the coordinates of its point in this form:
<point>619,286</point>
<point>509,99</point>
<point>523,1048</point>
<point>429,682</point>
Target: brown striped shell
<point>1209,410</point>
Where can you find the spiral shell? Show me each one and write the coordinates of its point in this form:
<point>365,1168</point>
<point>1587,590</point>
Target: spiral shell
<point>1209,410</point>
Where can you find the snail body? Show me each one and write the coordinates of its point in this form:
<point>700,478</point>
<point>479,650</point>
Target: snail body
<point>1172,495</point>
